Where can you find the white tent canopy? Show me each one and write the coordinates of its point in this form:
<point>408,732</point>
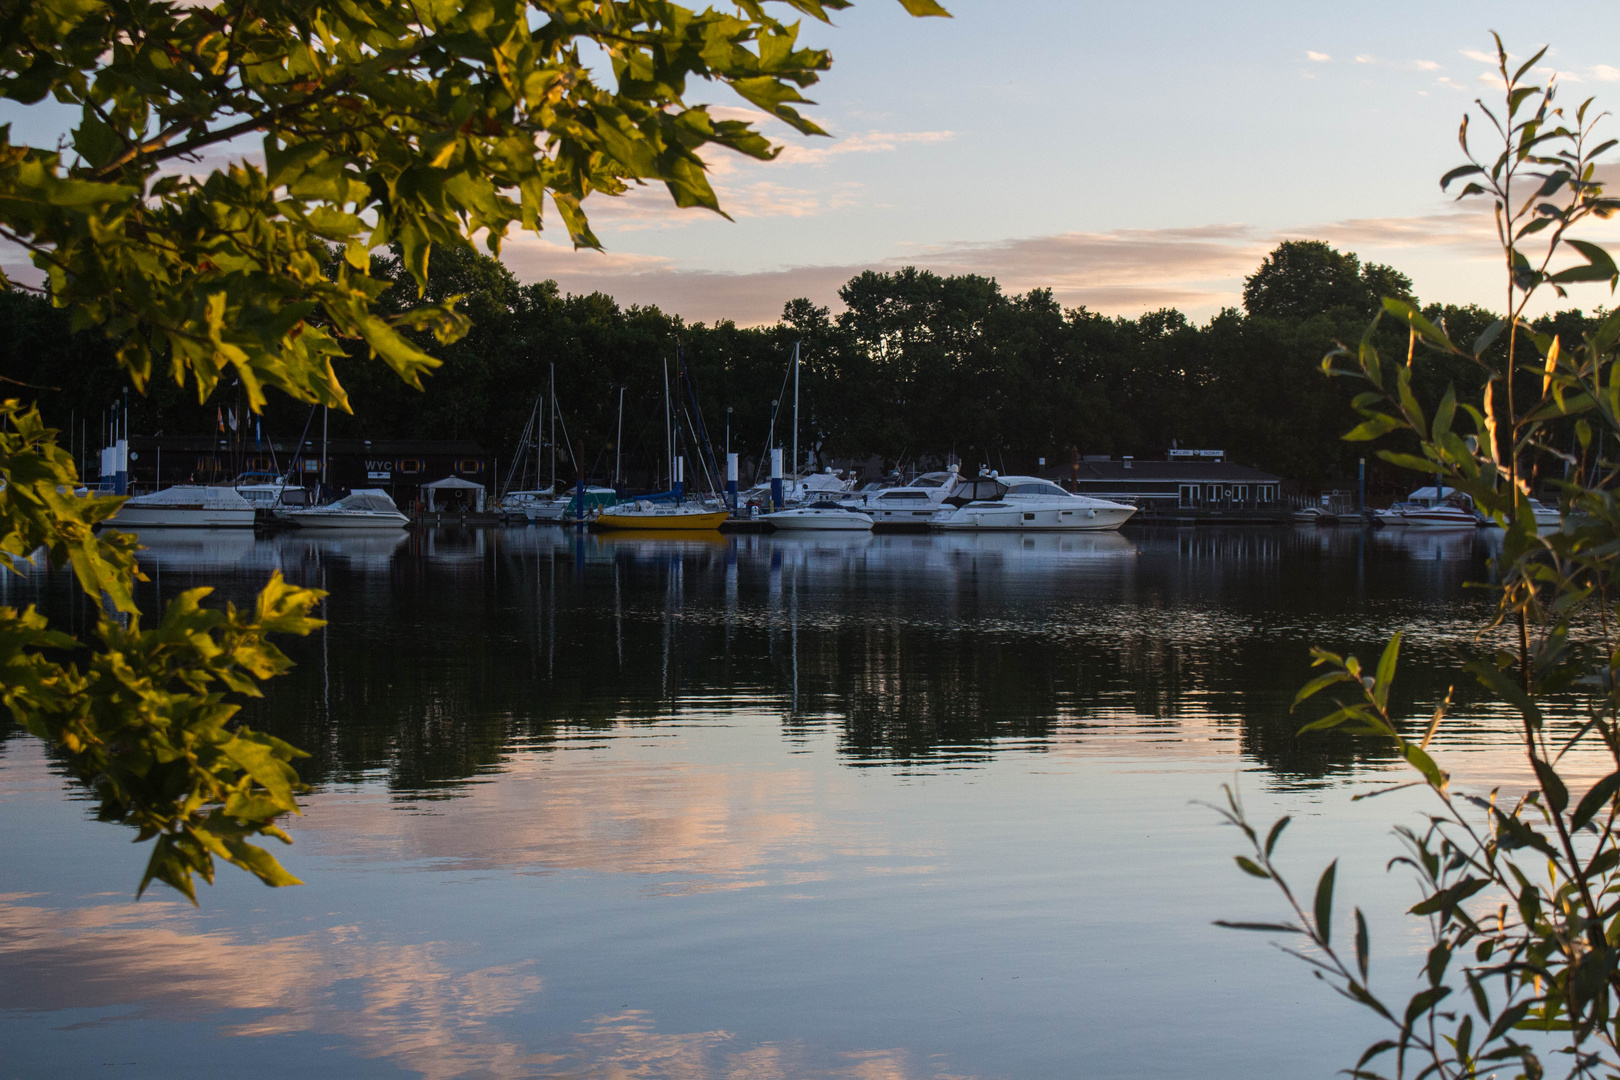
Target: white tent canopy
<point>451,485</point>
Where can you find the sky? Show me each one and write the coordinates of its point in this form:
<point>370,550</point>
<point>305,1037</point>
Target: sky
<point>1127,157</point>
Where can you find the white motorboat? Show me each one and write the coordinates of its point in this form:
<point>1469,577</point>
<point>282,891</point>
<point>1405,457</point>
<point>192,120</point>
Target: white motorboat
<point>1547,517</point>
<point>1396,514</point>
<point>915,503</point>
<point>190,506</point>
<point>1029,504</point>
<point>363,508</point>
<point>1453,512</point>
<point>819,516</point>
<point>541,505</point>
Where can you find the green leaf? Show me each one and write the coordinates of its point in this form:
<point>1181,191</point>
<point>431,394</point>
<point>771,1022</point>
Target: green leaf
<point>1601,795</point>
<point>924,7</point>
<point>1363,948</point>
<point>1324,902</point>
<point>1410,315</point>
<point>1249,866</point>
<point>1420,760</point>
<point>1553,785</point>
<point>1275,834</point>
<point>1386,670</point>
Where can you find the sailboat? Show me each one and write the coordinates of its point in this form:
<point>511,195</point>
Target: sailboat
<point>668,513</point>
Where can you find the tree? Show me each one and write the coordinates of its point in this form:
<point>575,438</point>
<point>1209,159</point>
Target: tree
<point>1519,894</point>
<point>380,123</point>
<point>1302,278</point>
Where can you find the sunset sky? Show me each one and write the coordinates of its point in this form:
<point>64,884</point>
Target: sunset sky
<point>1127,157</point>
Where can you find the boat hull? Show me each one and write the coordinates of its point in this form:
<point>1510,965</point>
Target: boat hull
<point>1011,517</point>
<point>348,521</point>
<point>1439,519</point>
<point>181,517</point>
<point>655,522</point>
<point>818,521</point>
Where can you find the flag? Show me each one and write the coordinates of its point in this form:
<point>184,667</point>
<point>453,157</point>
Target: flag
<point>232,415</point>
<point>219,418</point>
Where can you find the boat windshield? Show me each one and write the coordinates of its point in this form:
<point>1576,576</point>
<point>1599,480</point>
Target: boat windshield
<point>375,502</point>
<point>1043,489</point>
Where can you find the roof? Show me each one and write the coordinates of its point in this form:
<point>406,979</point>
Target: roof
<point>454,482</point>
<point>1190,471</point>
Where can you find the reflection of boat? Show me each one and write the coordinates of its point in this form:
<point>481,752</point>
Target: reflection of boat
<point>1314,515</point>
<point>364,508</point>
<point>662,517</point>
<point>819,516</point>
<point>197,550</point>
<point>1029,504</point>
<point>705,538</point>
<point>370,549</point>
<point>186,506</point>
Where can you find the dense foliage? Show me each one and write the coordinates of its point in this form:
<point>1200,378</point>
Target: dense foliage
<point>915,367</point>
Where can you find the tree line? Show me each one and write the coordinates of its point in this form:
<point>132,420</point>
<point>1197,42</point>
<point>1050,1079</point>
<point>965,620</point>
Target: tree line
<point>917,368</point>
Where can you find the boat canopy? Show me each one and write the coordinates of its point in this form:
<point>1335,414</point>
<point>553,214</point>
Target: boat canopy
<point>210,498</point>
<point>373,500</point>
<point>453,484</point>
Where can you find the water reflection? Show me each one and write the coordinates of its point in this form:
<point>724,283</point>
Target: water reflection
<point>865,806</point>
<point>449,647</point>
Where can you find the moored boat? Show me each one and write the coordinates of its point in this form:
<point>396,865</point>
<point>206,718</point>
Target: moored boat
<point>664,517</point>
<point>1030,504</point>
<point>186,506</point>
<point>363,508</point>
<point>819,516</point>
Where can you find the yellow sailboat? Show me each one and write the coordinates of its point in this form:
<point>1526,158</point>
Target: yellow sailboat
<point>662,518</point>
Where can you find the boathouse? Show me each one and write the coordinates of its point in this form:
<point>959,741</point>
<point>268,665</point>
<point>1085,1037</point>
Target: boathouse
<point>1189,483</point>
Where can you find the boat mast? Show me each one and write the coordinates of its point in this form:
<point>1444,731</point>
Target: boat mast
<point>326,411</point>
<point>618,441</point>
<point>669,434</point>
<point>796,409</point>
<point>553,429</point>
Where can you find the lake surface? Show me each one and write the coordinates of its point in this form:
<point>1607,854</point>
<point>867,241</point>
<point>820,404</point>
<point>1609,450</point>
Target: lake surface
<point>884,807</point>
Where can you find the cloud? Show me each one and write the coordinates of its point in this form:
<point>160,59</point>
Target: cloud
<point>1425,65</point>
<point>1482,57</point>
<point>1319,57</point>
<point>1605,73</point>
<point>1125,271</point>
<point>1365,59</point>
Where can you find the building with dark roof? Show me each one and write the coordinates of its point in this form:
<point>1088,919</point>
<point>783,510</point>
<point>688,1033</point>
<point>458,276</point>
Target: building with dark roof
<point>1190,482</point>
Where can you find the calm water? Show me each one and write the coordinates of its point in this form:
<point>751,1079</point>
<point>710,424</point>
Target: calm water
<point>872,807</point>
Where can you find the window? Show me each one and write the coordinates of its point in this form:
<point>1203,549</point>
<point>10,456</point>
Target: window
<point>470,465</point>
<point>410,466</point>
<point>926,482</point>
<point>1029,517</point>
<point>1212,493</point>
<point>1048,490</point>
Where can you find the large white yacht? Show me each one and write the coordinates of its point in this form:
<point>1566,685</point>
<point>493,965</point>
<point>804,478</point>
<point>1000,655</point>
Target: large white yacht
<point>186,506</point>
<point>1027,504</point>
